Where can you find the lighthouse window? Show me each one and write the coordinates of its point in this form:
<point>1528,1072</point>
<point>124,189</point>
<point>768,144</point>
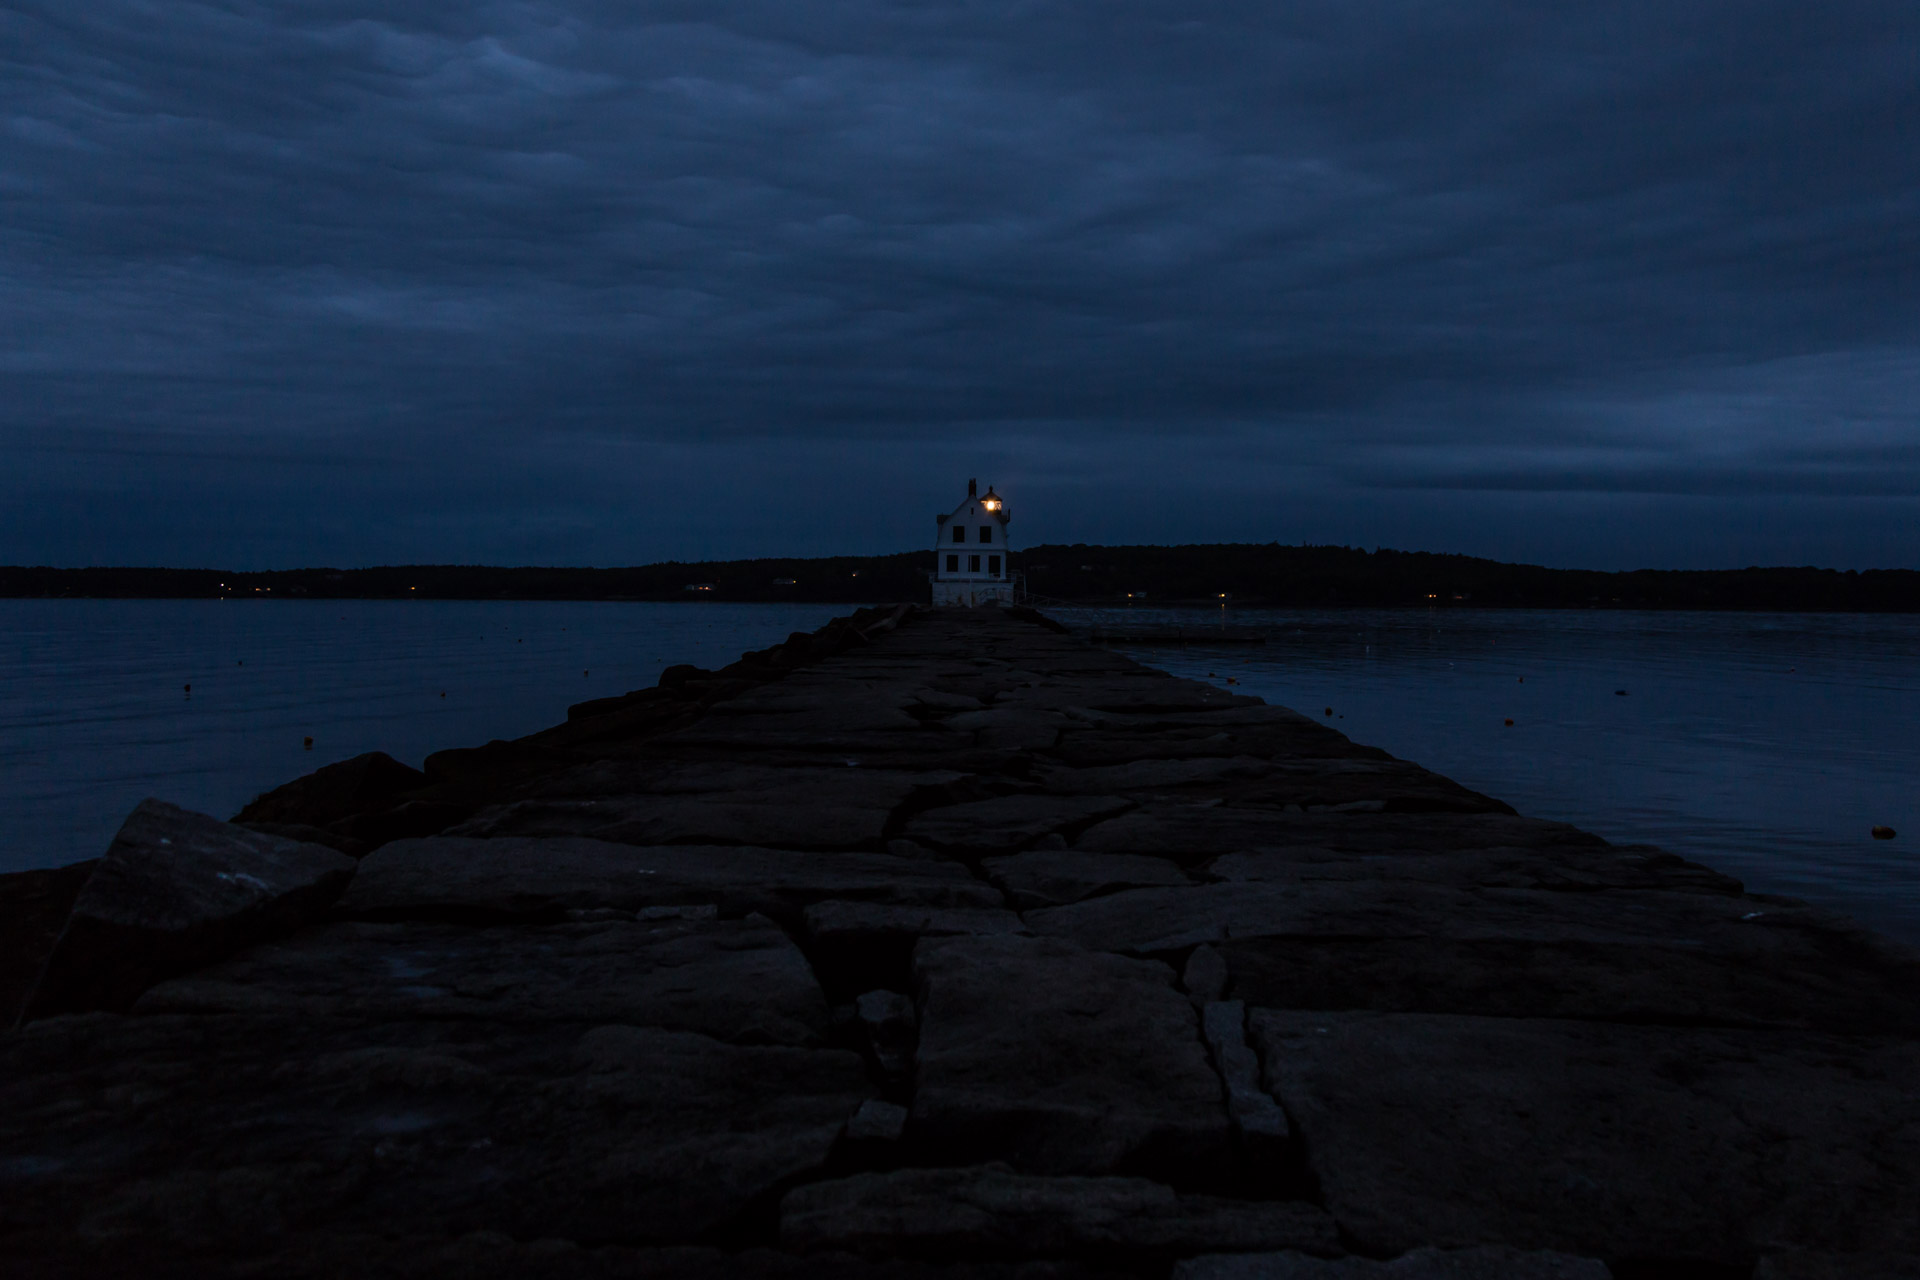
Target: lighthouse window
<point>993,565</point>
<point>973,564</point>
<point>986,533</point>
<point>953,564</point>
<point>959,533</point>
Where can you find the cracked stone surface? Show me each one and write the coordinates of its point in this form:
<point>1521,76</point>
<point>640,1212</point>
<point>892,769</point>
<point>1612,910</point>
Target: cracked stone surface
<point>1055,877</point>
<point>1486,1262</point>
<point>1058,1059</point>
<point>938,944</point>
<point>992,1211</point>
<point>1605,1139</point>
<point>529,876</point>
<point>1007,823</point>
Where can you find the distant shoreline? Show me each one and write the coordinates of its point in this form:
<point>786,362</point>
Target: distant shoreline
<point>1247,575</point>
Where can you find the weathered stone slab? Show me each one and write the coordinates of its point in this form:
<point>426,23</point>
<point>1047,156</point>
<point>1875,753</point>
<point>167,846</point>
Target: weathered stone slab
<point>1389,786</point>
<point>1138,774</point>
<point>1021,728</point>
<point>828,922</point>
<point>493,1255</point>
<point>1487,1262</point>
<point>924,747</point>
<point>942,702</point>
<point>1601,1139</point>
<point>1142,691</point>
<point>991,1211</point>
<point>523,876</point>
<point>676,776</point>
<point>787,706</point>
<point>1237,716</point>
<point>754,819</point>
<point>1801,1264</point>
<point>1191,834</point>
<point>1008,823</point>
<point>1566,869</point>
<point>216,1135</point>
<point>1054,877</point>
<point>1418,947</point>
<point>1060,1060</point>
<point>1164,919</point>
<point>1087,746</point>
<point>649,802</point>
<point>738,980</point>
<point>174,891</point>
<point>1277,734</point>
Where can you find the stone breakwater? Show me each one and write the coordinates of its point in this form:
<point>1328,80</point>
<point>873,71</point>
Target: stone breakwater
<point>938,945</point>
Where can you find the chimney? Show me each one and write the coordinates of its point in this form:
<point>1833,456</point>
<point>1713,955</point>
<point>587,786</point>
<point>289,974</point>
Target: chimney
<point>973,488</point>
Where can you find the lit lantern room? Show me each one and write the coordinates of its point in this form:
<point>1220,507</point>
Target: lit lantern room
<point>971,557</point>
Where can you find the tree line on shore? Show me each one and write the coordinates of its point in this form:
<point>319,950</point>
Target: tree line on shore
<point>1246,574</point>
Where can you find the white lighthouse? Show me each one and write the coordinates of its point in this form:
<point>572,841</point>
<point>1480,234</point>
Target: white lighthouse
<point>970,555</point>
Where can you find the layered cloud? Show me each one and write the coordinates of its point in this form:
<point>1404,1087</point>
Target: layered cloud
<point>460,280</point>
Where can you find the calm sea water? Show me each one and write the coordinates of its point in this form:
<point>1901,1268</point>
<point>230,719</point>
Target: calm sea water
<point>1765,745</point>
<point>95,714</point>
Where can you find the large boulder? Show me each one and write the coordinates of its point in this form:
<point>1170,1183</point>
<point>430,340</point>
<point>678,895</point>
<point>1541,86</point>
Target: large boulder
<point>370,783</point>
<point>177,890</point>
<point>34,906</point>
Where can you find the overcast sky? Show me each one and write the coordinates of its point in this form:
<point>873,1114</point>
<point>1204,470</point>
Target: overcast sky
<point>331,281</point>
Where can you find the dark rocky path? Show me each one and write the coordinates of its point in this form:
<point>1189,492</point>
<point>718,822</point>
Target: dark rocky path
<point>938,944</point>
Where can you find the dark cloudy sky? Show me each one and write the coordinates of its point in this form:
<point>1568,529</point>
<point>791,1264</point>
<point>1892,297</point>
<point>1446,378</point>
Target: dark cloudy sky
<point>330,281</point>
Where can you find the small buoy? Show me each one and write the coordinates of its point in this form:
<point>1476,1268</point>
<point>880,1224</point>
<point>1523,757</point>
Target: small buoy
<point>309,744</point>
<point>189,688</point>
<point>1509,722</point>
<point>1212,676</point>
<point>241,663</point>
<point>1231,680</point>
<point>1884,833</point>
<point>1523,679</point>
<point>1619,693</point>
<point>586,673</point>
<point>443,693</point>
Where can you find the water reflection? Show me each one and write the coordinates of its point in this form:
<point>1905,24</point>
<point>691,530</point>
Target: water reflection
<point>95,713</point>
